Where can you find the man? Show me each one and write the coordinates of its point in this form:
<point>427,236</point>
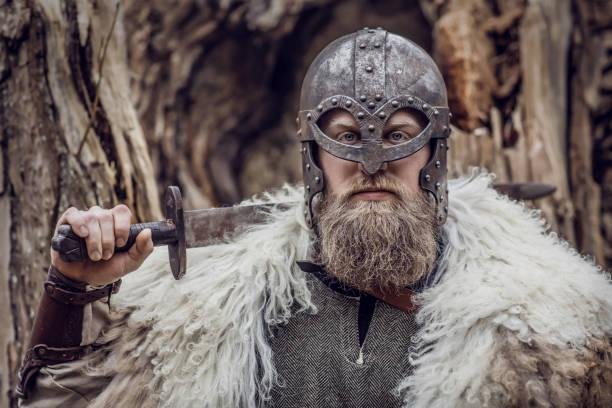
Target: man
<point>402,297</point>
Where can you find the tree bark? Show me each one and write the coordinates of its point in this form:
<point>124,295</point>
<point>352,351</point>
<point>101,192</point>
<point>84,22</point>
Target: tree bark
<point>68,136</point>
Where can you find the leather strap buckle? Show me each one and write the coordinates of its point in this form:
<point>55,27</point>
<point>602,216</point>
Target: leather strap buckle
<point>69,297</point>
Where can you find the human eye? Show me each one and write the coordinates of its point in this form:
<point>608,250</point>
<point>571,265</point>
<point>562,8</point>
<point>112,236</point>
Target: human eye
<point>348,137</point>
<point>398,137</point>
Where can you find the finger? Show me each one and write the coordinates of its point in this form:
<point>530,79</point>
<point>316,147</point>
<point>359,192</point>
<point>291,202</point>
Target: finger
<point>122,220</point>
<point>105,219</point>
<point>94,238</point>
<point>75,219</point>
<point>143,246</point>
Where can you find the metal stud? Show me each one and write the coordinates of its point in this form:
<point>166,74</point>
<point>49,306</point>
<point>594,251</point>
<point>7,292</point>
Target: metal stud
<point>395,104</point>
<point>435,112</point>
<point>437,185</point>
<point>376,45</point>
<point>441,199</point>
<point>362,46</point>
<point>360,115</point>
<point>378,97</point>
<point>348,104</point>
<point>363,98</point>
<point>427,177</point>
<point>371,128</point>
<point>366,28</point>
<point>320,108</point>
<point>441,144</point>
<point>297,120</point>
<point>308,166</point>
<point>410,100</point>
<point>379,28</point>
<point>438,163</point>
<point>307,188</point>
<point>371,105</point>
<point>317,180</point>
<point>334,101</point>
<point>425,107</point>
<point>445,208</point>
<point>450,115</point>
<point>308,116</point>
<point>382,115</point>
<point>369,69</point>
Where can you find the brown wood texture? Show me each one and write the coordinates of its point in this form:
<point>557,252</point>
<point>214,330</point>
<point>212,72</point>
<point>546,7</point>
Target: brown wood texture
<point>51,60</point>
<point>204,95</point>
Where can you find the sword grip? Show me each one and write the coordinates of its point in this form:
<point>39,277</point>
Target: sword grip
<point>72,248</point>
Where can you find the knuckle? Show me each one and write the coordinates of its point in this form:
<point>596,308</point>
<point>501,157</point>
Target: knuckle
<point>122,209</point>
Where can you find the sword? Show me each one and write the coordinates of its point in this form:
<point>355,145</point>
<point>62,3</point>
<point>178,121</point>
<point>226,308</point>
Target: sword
<point>197,228</point>
<point>180,230</point>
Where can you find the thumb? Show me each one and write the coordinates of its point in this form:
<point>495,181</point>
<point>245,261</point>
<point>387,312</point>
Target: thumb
<point>138,252</point>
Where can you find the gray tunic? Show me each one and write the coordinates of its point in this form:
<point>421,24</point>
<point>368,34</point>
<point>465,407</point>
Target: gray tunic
<point>317,356</point>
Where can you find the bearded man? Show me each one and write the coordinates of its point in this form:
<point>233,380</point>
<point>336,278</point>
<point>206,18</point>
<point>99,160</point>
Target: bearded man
<point>385,287</point>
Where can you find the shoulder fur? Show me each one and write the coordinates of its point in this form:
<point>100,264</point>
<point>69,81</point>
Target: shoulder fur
<point>506,280</point>
<point>208,331</point>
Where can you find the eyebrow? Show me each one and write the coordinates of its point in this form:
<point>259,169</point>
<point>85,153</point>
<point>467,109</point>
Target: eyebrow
<point>411,124</point>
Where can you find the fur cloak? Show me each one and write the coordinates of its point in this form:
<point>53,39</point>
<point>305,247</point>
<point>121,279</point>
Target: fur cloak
<point>518,317</point>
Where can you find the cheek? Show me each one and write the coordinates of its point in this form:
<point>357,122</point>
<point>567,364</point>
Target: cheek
<point>408,169</point>
<point>337,171</point>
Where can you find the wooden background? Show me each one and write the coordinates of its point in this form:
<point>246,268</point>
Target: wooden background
<point>104,102</point>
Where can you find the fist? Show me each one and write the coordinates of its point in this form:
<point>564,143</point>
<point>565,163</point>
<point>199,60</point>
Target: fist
<point>103,230</point>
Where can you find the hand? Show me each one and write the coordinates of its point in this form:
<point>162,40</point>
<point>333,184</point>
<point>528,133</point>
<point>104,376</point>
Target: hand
<point>103,230</point>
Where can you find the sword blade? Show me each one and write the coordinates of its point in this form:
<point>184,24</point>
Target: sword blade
<point>209,226</point>
<point>525,191</point>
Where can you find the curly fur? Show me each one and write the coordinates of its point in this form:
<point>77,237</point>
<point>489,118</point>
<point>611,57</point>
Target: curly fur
<point>517,319</point>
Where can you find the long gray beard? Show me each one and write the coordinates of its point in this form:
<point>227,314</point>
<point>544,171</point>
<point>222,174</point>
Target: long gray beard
<point>384,245</point>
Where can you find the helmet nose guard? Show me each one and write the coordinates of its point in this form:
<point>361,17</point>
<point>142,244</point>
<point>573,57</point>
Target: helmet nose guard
<point>372,74</point>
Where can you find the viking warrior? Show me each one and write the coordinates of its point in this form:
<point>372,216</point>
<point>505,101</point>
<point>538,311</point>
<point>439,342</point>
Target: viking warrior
<point>386,286</point>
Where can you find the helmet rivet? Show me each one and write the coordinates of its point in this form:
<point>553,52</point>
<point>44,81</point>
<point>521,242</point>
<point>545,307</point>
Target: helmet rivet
<point>363,98</point>
<point>427,177</point>
<point>425,107</point>
<point>446,208</point>
<point>379,28</point>
<point>366,28</point>
<point>308,116</point>
<point>307,166</point>
<point>308,188</point>
<point>410,100</point>
<point>369,69</point>
<point>360,115</point>
<point>441,144</point>
<point>438,163</point>
<point>382,115</point>
<point>297,120</point>
<point>441,199</point>
<point>304,150</point>
<point>437,185</point>
<point>334,101</point>
<point>348,104</point>
<point>371,105</point>
<point>317,179</point>
<point>376,45</point>
<point>320,108</point>
<point>435,112</point>
<point>378,97</point>
<point>371,128</point>
<point>450,115</point>
<point>362,46</point>
<point>395,104</point>
<point>440,218</point>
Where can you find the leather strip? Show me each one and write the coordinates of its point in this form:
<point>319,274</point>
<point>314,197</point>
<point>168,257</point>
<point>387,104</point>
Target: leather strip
<point>70,297</point>
<point>40,356</point>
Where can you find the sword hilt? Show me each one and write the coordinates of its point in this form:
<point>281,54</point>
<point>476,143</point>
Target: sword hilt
<point>72,248</point>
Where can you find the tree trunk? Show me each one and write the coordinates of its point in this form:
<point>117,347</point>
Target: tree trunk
<point>68,136</point>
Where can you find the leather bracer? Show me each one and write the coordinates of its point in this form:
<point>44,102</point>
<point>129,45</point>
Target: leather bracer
<point>57,331</point>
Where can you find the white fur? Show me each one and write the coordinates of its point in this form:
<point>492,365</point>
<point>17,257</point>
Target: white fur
<point>501,269</point>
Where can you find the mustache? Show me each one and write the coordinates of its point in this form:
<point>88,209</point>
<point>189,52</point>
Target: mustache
<point>374,183</point>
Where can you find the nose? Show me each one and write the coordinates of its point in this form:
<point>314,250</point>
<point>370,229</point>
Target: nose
<point>370,169</point>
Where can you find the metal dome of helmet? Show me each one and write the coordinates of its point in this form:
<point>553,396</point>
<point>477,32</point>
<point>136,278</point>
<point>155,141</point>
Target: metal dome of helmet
<point>372,74</point>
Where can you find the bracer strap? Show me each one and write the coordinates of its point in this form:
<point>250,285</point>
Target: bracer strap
<point>57,331</point>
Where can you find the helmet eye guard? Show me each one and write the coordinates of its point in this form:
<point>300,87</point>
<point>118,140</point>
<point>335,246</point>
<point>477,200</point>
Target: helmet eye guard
<point>373,152</point>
